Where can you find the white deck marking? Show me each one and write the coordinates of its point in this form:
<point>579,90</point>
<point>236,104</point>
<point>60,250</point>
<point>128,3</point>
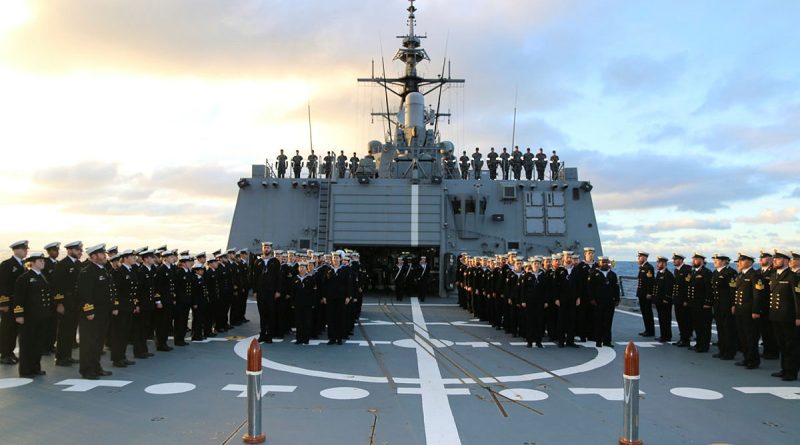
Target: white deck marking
<point>696,393</point>
<point>440,425</point>
<point>524,394</point>
<point>169,388</point>
<point>13,382</point>
<point>414,215</point>
<point>450,391</point>
<point>264,389</point>
<point>83,385</point>
<point>674,323</point>
<point>614,394</point>
<point>344,393</point>
<point>642,344</point>
<point>784,392</point>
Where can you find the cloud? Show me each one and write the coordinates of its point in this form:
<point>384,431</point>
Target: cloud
<point>680,224</point>
<point>642,74</point>
<point>746,88</point>
<point>770,216</point>
<point>795,193</point>
<point>664,133</point>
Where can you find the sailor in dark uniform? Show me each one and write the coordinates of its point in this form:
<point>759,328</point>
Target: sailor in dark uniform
<point>422,277</point>
<point>142,323</point>
<point>492,163</point>
<point>327,166</point>
<point>339,291</point>
<point>585,317</point>
<point>516,162</point>
<point>183,299</point>
<point>541,164</point>
<point>450,166</point>
<point>567,299</point>
<point>477,163</point>
<point>311,163</point>
<point>784,314</point>
<point>751,290</point>
<point>723,284</point>
<point>211,278</point>
<point>604,293</point>
<point>281,165</point>
<point>644,292</point>
<point>662,293</point>
<point>555,164</point>
<point>504,163</point>
<point>354,165</point>
<point>267,290</point>
<point>96,295</point>
<point>680,289</point>
<point>65,280</point>
<point>297,164</point>
<point>527,164</point>
<point>33,309</point>
<point>764,325</point>
<point>125,305</point>
<point>304,300</point>
<point>464,165</point>
<point>400,271</point>
<point>165,299</point>
<point>200,328</point>
<point>534,302</point>
<point>52,251</point>
<point>341,163</point>
<point>700,301</point>
<point>10,270</point>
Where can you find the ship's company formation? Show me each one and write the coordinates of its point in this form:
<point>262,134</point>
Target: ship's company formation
<point>502,165</point>
<point>115,298</point>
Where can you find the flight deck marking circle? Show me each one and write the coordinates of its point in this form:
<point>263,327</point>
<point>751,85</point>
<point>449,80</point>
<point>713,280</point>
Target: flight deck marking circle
<point>14,382</point>
<point>524,394</point>
<point>344,393</point>
<point>696,393</point>
<point>604,357</point>
<point>169,388</point>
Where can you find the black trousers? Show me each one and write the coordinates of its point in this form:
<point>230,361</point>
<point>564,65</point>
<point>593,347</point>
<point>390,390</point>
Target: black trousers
<point>701,321</point>
<point>281,316</point>
<point>768,337</point>
<point>140,326</point>
<point>163,319</point>
<point>726,331</point>
<point>93,335</point>
<point>297,172</point>
<point>551,321</point>
<point>535,313</point>
<point>181,324</point>
<point>398,288</point>
<point>566,323</point>
<point>200,328</point>
<point>540,173</point>
<point>303,318</point>
<point>517,172</point>
<point>8,333</point>
<point>52,333</point>
<point>528,173</point>
<point>33,338</point>
<point>683,315</point>
<point>67,328</point>
<point>646,308</point>
<point>281,172</point>
<point>553,174</point>
<point>266,314</point>
<point>603,319</point>
<point>505,171</point>
<point>464,172</point>
<point>747,329</point>
<point>120,333</point>
<point>335,314</point>
<point>493,172</point>
<point>664,319</point>
<point>788,345</point>
<point>586,319</point>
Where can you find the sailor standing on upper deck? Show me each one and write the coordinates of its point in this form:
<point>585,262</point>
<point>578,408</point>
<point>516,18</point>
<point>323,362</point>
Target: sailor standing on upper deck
<point>477,163</point>
<point>281,165</point>
<point>644,292</point>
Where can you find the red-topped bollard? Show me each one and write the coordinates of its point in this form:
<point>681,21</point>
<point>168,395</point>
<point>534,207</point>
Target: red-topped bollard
<point>254,434</point>
<point>630,419</point>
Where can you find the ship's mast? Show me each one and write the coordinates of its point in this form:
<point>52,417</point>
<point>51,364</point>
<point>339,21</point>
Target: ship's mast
<point>411,53</point>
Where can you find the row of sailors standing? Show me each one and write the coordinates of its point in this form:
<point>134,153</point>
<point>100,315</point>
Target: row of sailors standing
<point>562,295</point>
<point>331,164</point>
<point>513,162</point>
<point>748,305</point>
<point>309,291</point>
<point>114,298</point>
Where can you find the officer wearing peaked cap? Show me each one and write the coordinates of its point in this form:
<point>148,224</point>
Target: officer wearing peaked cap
<point>164,299</point>
<point>52,251</point>
<point>142,323</point>
<point>723,284</point>
<point>644,292</point>
<point>784,314</point>
<point>680,290</point>
<point>10,270</point>
<point>183,298</point>
<point>662,293</point>
<point>700,301</point>
<point>125,305</point>
<point>749,292</point>
<point>96,295</point>
<point>33,309</point>
<point>65,280</point>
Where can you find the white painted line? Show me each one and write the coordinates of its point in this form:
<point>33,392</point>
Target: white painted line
<point>474,344</point>
<point>674,323</point>
<point>13,382</point>
<point>264,389</point>
<point>169,388</point>
<point>642,344</point>
<point>696,393</point>
<point>414,215</point>
<point>613,394</point>
<point>344,393</point>
<point>83,385</point>
<point>784,392</point>
<point>440,425</point>
<point>524,394</point>
<point>449,391</point>
<point>421,304</point>
<point>210,339</point>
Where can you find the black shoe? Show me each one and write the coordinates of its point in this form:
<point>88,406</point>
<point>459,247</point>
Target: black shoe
<point>539,345</point>
<point>141,356</point>
<point>90,377</point>
<point>129,362</point>
<point>778,374</point>
<point>74,360</point>
<point>244,320</point>
<point>149,354</point>
<point>530,345</point>
<point>700,351</point>
<point>610,345</point>
<point>751,366</point>
<point>572,345</point>
<point>183,343</point>
<point>338,342</point>
<point>770,357</point>
<point>163,348</point>
<point>561,344</point>
<point>692,348</point>
<point>583,339</point>
<point>119,364</point>
<point>740,364</point>
<point>789,377</point>
<point>104,373</point>
<point>598,344</point>
<point>211,335</point>
<point>39,372</point>
<point>726,357</point>
<point>331,342</point>
<point>717,355</point>
<point>7,361</point>
<point>64,363</point>
<point>647,334</point>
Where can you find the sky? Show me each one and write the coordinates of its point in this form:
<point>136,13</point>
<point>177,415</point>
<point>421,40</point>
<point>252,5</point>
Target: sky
<point>130,122</point>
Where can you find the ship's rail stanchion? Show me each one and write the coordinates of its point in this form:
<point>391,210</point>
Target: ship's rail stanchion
<point>254,433</point>
<point>630,380</point>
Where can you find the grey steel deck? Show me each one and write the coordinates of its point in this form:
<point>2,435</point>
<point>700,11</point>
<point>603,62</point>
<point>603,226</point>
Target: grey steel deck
<point>368,391</point>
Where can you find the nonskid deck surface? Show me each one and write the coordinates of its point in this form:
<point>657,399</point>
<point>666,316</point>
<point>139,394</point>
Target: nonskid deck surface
<point>412,374</point>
